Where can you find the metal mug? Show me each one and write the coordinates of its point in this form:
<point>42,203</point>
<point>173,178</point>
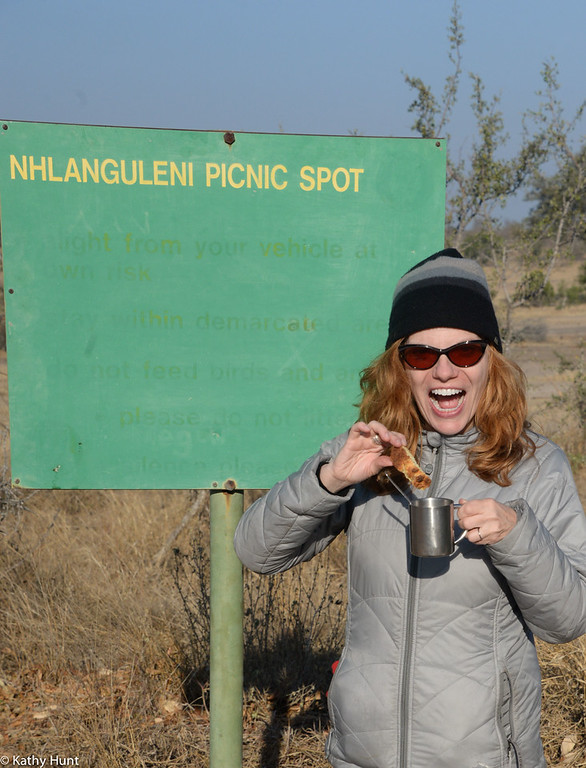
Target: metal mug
<point>431,529</point>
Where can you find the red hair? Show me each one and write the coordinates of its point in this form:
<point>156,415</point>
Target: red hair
<point>501,416</point>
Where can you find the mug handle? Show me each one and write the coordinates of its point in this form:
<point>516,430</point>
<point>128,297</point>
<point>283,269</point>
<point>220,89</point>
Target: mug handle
<point>463,536</point>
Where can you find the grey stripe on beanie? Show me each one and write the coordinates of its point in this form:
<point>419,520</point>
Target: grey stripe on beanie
<point>444,291</point>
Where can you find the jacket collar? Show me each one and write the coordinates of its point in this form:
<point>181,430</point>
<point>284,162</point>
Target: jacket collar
<point>455,442</point>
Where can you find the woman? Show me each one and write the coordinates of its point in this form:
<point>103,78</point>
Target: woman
<point>439,666</point>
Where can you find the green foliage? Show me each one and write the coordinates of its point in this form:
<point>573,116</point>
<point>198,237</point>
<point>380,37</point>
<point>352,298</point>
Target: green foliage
<point>560,212</point>
<point>432,117</point>
<point>485,181</point>
<point>563,193</point>
<point>574,294</point>
<point>534,289</point>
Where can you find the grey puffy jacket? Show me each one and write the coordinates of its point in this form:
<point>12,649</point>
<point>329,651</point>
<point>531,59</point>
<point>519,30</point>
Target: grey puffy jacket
<point>439,666</point>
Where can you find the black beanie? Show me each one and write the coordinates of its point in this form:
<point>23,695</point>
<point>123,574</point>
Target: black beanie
<point>444,291</point>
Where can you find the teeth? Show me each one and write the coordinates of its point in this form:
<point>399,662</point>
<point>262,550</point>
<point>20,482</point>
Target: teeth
<point>436,393</point>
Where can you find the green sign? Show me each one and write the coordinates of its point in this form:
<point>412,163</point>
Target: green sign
<point>186,308</point>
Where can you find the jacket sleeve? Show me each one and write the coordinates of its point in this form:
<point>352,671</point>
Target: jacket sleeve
<point>294,521</point>
<point>544,557</point>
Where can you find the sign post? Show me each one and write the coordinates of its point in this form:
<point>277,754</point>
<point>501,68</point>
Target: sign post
<point>226,650</point>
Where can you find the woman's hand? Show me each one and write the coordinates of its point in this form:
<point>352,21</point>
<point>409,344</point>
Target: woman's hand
<point>360,457</point>
<point>486,521</point>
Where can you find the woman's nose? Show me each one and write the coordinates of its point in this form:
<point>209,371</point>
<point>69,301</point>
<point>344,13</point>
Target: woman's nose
<point>444,369</point>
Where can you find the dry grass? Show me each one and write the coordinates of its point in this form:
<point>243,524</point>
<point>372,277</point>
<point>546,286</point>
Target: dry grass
<point>564,702</point>
<point>99,661</point>
<point>89,661</point>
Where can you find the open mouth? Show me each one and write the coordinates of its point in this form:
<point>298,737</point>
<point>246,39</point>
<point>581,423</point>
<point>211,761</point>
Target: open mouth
<point>447,400</point>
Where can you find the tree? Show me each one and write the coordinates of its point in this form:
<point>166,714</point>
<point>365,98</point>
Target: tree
<point>559,218</point>
<point>551,230</point>
<point>483,182</point>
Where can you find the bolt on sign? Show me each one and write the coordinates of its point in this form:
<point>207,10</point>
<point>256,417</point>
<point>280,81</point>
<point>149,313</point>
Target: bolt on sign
<point>188,307</point>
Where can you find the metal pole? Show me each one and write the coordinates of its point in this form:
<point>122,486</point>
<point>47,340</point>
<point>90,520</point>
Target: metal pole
<point>226,645</point>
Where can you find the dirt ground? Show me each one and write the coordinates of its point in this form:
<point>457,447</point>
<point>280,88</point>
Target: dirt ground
<point>563,330</point>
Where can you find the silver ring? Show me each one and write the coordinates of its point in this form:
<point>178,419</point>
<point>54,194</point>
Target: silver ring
<point>479,534</point>
<point>376,440</point>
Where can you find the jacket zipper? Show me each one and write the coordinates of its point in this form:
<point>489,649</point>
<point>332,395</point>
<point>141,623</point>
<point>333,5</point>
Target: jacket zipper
<point>405,700</point>
<point>412,598</point>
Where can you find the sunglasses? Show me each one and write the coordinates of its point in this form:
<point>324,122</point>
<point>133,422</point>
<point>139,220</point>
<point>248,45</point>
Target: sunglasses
<point>464,355</point>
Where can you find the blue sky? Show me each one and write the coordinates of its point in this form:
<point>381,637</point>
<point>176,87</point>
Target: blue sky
<point>308,66</point>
